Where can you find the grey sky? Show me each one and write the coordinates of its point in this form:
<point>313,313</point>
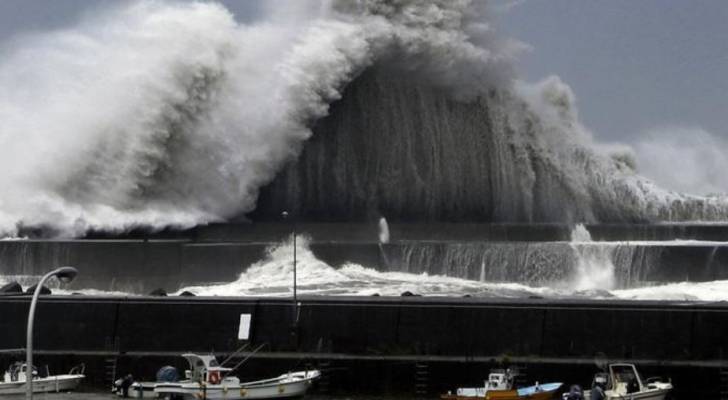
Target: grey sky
<point>634,65</point>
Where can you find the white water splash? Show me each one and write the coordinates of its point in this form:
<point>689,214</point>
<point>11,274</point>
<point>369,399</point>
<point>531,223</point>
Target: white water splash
<point>273,276</point>
<point>679,291</point>
<point>173,114</point>
<point>594,266</point>
<point>383,231</point>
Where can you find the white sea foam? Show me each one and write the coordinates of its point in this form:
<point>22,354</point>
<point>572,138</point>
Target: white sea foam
<point>273,276</point>
<point>691,291</point>
<point>594,266</point>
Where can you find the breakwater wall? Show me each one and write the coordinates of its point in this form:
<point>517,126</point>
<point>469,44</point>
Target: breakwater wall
<point>563,337</point>
<point>415,231</point>
<point>140,266</point>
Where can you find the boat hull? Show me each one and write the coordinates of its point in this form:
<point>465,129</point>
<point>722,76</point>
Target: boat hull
<point>285,386</point>
<point>60,383</point>
<point>657,394</point>
<point>212,392</point>
<point>502,395</point>
<point>541,392</point>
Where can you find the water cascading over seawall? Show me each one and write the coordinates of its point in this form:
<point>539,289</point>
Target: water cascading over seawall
<point>397,146</point>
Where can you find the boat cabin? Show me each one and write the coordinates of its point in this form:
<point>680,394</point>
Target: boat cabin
<point>204,368</point>
<point>624,379</point>
<point>499,380</point>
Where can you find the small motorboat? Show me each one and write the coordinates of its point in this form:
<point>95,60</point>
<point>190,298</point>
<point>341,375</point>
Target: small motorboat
<point>14,380</point>
<point>501,386</point>
<point>623,382</point>
<point>206,379</point>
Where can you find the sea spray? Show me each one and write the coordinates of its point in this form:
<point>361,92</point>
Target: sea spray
<point>165,113</point>
<point>273,276</point>
<point>594,268</point>
<point>383,231</point>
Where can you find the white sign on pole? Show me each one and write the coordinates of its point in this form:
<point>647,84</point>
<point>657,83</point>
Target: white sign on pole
<point>244,329</point>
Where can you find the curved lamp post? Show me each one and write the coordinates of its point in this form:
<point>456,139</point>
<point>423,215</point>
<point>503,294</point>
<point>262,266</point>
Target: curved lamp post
<point>65,275</point>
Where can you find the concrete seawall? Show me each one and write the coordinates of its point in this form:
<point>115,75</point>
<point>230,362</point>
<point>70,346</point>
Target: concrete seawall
<point>563,334</point>
<point>689,334</point>
<point>140,266</point>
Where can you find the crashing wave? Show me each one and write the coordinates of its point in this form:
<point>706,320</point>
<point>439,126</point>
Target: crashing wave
<point>166,114</point>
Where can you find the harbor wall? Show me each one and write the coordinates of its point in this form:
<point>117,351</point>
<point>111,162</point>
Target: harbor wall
<point>690,334</point>
<point>383,339</point>
<point>413,231</point>
<point>141,266</point>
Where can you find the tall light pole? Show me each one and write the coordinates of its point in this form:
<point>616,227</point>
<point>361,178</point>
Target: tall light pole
<point>285,216</point>
<point>65,275</point>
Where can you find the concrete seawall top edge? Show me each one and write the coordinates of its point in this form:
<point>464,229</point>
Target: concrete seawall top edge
<point>389,301</point>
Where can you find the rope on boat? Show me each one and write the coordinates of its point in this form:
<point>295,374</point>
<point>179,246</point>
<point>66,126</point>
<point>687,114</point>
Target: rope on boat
<point>235,353</point>
<point>246,358</point>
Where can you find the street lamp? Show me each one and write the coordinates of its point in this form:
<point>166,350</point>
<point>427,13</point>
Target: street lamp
<point>65,275</point>
<point>285,214</point>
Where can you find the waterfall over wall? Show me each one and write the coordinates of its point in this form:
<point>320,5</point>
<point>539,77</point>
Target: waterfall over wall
<point>540,263</point>
<point>406,150</point>
<point>398,146</point>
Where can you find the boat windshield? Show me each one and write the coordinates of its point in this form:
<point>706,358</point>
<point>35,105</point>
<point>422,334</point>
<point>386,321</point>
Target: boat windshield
<point>625,374</point>
<point>213,363</point>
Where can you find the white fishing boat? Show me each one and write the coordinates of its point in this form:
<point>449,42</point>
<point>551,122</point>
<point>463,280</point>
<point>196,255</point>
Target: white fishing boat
<point>206,379</point>
<point>624,382</point>
<point>14,380</point>
<point>501,385</point>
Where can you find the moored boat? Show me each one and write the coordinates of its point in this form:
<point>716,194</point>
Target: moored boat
<point>206,379</point>
<point>623,381</point>
<point>501,386</point>
<point>14,380</point>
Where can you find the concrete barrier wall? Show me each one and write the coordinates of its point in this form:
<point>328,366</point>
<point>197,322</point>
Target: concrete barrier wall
<point>373,327</point>
<point>369,231</point>
<point>136,266</point>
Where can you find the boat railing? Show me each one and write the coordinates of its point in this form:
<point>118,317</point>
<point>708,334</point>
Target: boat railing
<point>273,380</point>
<point>78,369</point>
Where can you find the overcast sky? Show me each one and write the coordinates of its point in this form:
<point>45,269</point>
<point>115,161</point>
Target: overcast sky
<point>640,69</point>
<point>634,65</point>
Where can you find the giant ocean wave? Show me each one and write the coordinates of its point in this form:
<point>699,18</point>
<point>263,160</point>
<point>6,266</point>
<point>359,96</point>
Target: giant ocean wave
<point>164,114</point>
